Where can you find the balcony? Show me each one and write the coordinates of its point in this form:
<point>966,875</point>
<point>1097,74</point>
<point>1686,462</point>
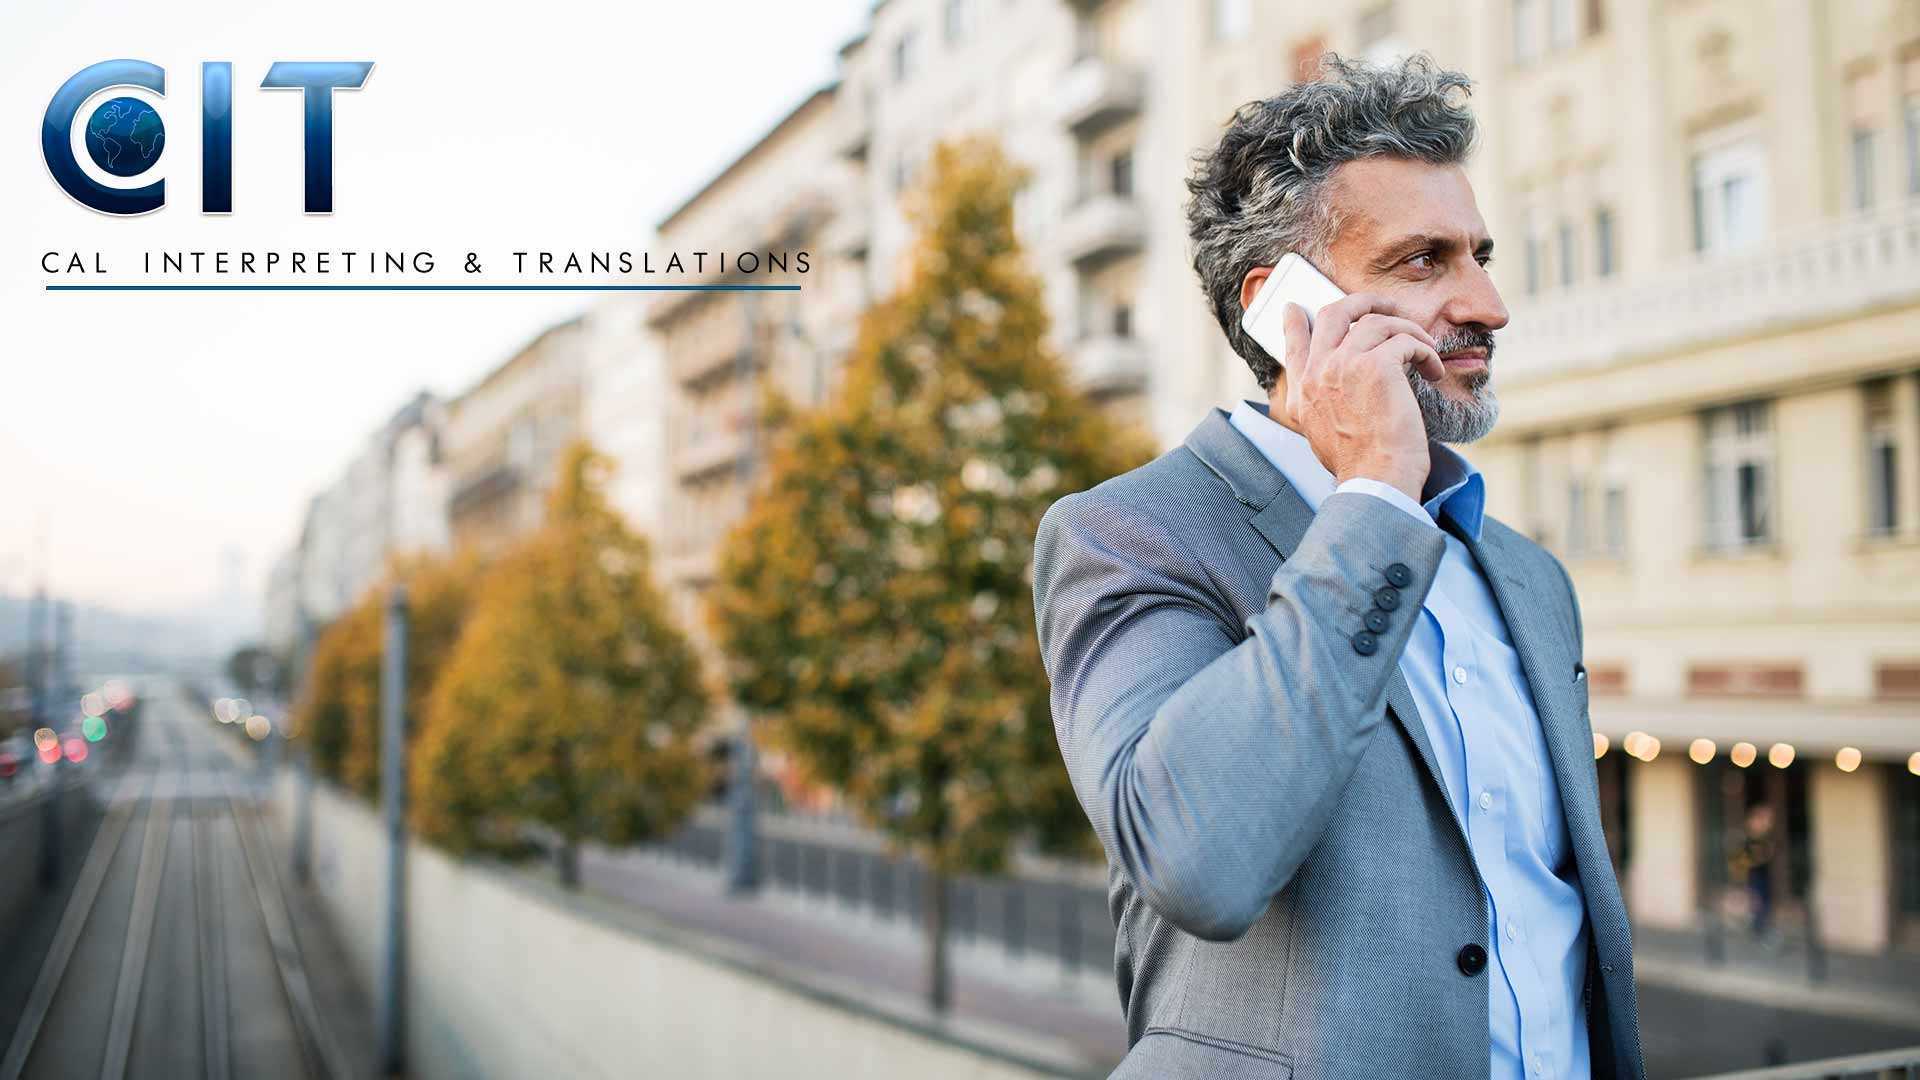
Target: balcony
<point>694,362</point>
<point>1826,270</point>
<point>1105,364</point>
<point>853,133</point>
<point>851,231</point>
<point>1097,93</point>
<point>715,453</point>
<point>1100,228</point>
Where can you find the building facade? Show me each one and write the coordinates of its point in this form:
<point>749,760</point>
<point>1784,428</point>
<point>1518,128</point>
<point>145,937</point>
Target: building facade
<point>505,436</point>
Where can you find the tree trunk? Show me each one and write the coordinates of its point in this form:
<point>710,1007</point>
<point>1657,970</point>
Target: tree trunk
<point>939,970</point>
<point>570,862</point>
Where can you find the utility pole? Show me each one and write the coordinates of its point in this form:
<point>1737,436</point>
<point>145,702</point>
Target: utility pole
<point>393,793</point>
<point>301,856</point>
<point>743,842</point>
<point>39,676</point>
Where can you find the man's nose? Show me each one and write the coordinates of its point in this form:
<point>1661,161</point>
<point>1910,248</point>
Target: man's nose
<point>1478,302</point>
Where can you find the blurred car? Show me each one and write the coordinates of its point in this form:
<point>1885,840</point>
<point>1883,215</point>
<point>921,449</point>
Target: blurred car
<point>16,753</point>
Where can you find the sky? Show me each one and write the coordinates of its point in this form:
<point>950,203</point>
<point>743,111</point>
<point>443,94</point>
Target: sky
<point>144,434</point>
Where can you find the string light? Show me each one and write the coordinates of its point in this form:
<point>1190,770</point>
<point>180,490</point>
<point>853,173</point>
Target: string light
<point>1702,751</point>
<point>1781,755</point>
<point>1601,742</point>
<point>1848,759</point>
<point>1743,754</point>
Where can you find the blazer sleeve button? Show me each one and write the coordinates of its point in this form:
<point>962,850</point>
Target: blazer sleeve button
<point>1386,598</point>
<point>1364,643</point>
<point>1399,576</point>
<point>1376,622</point>
<point>1472,960</point>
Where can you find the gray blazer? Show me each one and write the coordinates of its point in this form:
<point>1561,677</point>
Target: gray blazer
<point>1293,893</point>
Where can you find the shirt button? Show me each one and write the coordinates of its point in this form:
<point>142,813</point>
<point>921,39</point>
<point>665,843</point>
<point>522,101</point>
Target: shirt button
<point>1486,800</point>
<point>1513,934</point>
<point>1460,675</point>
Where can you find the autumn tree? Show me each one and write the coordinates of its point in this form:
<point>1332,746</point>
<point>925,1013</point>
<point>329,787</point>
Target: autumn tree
<point>571,700</point>
<point>339,712</point>
<point>876,602</point>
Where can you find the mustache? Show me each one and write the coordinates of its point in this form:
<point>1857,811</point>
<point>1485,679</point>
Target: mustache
<point>1466,337</point>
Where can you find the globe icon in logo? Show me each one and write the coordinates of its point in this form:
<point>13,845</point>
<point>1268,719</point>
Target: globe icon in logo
<point>124,136</point>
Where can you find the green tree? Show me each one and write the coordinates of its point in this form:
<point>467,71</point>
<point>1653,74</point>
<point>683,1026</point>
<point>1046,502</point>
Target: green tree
<point>571,699</point>
<point>876,603</point>
<point>339,712</point>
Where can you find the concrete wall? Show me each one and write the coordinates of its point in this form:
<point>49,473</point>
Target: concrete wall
<point>510,978</point>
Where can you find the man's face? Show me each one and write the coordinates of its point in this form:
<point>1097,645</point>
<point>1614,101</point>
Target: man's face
<point>1412,232</point>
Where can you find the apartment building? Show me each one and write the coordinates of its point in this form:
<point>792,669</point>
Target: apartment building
<point>391,499</point>
<point>505,435</point>
<point>1711,403</point>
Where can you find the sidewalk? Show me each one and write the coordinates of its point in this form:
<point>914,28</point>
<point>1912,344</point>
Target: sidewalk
<point>1882,988</point>
<point>1026,1005</point>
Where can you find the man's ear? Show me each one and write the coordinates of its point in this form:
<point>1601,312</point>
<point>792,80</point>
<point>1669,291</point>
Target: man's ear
<point>1250,285</point>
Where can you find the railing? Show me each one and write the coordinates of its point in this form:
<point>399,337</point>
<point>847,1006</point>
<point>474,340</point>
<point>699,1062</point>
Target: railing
<point>1823,270</point>
<point>1058,913</point>
<point>1903,1064</point>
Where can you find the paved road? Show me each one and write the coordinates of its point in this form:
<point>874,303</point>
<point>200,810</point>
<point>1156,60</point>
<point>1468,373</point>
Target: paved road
<point>171,949</point>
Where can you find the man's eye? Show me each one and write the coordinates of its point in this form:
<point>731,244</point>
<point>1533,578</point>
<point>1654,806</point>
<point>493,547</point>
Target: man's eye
<point>1422,261</point>
<point>1484,260</point>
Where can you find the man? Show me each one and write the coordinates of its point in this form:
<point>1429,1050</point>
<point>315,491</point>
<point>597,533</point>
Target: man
<point>1328,719</point>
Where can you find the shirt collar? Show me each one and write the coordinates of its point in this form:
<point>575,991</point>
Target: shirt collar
<point>1453,486</point>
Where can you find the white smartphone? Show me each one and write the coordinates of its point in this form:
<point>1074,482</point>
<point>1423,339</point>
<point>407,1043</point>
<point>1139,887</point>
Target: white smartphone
<point>1295,280</point>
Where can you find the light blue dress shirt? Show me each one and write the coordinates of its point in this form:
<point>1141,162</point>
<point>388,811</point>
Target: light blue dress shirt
<point>1479,715</point>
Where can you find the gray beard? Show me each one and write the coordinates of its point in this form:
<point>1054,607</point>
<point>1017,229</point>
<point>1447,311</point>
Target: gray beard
<point>1451,421</point>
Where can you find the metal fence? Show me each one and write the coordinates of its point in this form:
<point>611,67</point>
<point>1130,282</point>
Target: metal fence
<point>1045,910</point>
<point>1903,1064</point>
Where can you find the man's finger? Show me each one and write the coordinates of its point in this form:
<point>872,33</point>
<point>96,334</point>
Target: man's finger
<point>1368,331</point>
<point>1299,333</point>
<point>1331,324</point>
<point>1405,350</point>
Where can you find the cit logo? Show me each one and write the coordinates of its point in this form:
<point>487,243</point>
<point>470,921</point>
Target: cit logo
<point>125,136</point>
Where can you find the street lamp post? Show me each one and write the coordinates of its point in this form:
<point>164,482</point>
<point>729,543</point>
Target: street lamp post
<point>393,785</point>
<point>743,863</point>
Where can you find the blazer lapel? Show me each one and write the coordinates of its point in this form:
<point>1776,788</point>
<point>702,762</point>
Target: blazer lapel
<point>1282,517</point>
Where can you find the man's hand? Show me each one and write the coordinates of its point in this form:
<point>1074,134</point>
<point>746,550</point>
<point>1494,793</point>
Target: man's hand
<point>1347,392</point>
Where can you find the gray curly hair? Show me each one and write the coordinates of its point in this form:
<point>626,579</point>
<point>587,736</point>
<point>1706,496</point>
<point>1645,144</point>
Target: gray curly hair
<point>1262,190</point>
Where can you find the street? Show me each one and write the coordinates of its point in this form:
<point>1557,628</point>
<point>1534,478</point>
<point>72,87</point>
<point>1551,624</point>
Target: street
<point>169,948</point>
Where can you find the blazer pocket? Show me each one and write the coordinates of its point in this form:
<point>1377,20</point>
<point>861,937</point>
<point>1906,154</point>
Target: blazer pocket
<point>1173,1054</point>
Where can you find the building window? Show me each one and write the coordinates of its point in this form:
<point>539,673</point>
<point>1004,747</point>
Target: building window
<point>1862,154</point>
<point>1596,16</point>
<point>1910,112</point>
<point>1739,458</point>
<point>1883,459</point>
<point>957,15</point>
<point>1532,232</point>
<point>1123,320</point>
<point>1120,174</point>
<point>1603,242</point>
<point>1526,30</point>
<point>1378,42</point>
<point>903,57</point>
<point>1565,242</point>
<point>1561,28</point>
<point>1578,542</point>
<point>1231,19</point>
<point>1729,197</point>
<point>1614,523</point>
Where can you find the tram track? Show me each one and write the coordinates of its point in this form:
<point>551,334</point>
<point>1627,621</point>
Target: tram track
<point>205,938</point>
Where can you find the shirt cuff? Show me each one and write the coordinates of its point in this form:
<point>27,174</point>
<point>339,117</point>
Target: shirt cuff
<point>1394,495</point>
